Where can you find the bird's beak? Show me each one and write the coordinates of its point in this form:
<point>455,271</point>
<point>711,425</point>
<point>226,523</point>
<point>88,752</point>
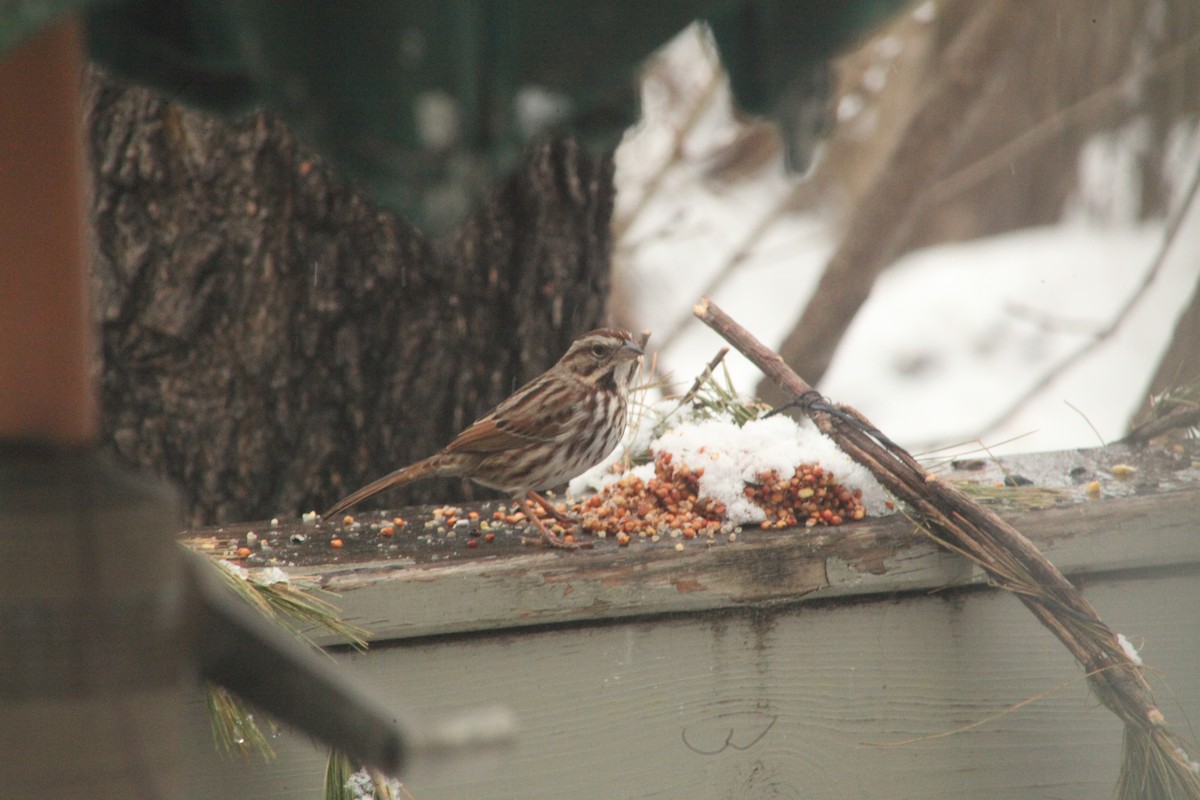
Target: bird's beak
<point>629,350</point>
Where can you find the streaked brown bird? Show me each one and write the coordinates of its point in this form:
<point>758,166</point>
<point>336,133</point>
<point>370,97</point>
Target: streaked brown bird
<point>559,425</point>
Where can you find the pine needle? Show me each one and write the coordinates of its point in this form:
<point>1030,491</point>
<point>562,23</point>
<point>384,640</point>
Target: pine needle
<point>1153,766</point>
<point>294,606</point>
<point>346,781</point>
<point>234,727</point>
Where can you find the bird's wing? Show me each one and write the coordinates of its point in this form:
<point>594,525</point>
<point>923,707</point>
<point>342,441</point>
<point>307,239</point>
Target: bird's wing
<point>529,415</point>
<point>485,436</point>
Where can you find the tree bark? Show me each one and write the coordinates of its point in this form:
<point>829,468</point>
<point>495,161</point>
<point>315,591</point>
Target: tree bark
<point>270,339</point>
<point>1179,364</point>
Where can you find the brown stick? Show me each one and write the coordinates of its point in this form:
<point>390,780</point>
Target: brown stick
<point>703,376</point>
<point>1176,419</point>
<point>963,526</point>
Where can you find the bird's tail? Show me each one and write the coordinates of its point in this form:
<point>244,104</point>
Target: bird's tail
<point>427,468</point>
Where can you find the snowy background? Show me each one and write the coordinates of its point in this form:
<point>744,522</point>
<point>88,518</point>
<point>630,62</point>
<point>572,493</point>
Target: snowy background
<point>1038,339</point>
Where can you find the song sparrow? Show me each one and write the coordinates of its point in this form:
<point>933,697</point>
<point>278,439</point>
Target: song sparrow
<point>560,424</point>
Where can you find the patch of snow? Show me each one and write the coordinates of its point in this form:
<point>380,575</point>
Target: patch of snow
<point>849,106</point>
<point>1192,763</point>
<point>875,78</point>
<point>1129,649</point>
<point>888,47</point>
<point>731,457</point>
<point>238,570</point>
<point>952,335</point>
<point>675,79</point>
<point>699,242</point>
<point>1110,187</point>
<point>1182,155</point>
<point>270,576</point>
<point>770,289</point>
<point>362,786</point>
<point>926,12</point>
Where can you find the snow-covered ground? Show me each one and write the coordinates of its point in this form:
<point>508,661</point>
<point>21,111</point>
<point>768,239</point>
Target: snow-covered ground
<point>954,338</point>
<point>957,342</point>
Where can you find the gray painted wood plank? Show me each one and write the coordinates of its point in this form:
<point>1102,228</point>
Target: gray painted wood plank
<point>781,702</point>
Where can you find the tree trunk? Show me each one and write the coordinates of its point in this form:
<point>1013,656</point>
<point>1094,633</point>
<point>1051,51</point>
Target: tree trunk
<point>1179,364</point>
<point>270,339</point>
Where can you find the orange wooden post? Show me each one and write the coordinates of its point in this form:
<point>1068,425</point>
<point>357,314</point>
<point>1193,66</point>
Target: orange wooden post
<point>95,665</point>
<point>45,340</point>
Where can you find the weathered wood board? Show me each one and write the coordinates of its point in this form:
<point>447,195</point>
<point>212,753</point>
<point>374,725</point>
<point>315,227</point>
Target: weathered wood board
<point>768,667</point>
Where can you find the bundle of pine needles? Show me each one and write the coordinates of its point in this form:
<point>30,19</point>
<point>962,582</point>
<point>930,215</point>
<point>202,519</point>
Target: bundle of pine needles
<point>297,607</point>
<point>1154,766</point>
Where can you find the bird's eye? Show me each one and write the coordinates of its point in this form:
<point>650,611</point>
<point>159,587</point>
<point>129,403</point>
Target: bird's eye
<point>598,350</point>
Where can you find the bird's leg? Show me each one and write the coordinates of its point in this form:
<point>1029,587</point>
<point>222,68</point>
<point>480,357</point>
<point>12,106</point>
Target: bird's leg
<point>548,536</point>
<point>548,507</point>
